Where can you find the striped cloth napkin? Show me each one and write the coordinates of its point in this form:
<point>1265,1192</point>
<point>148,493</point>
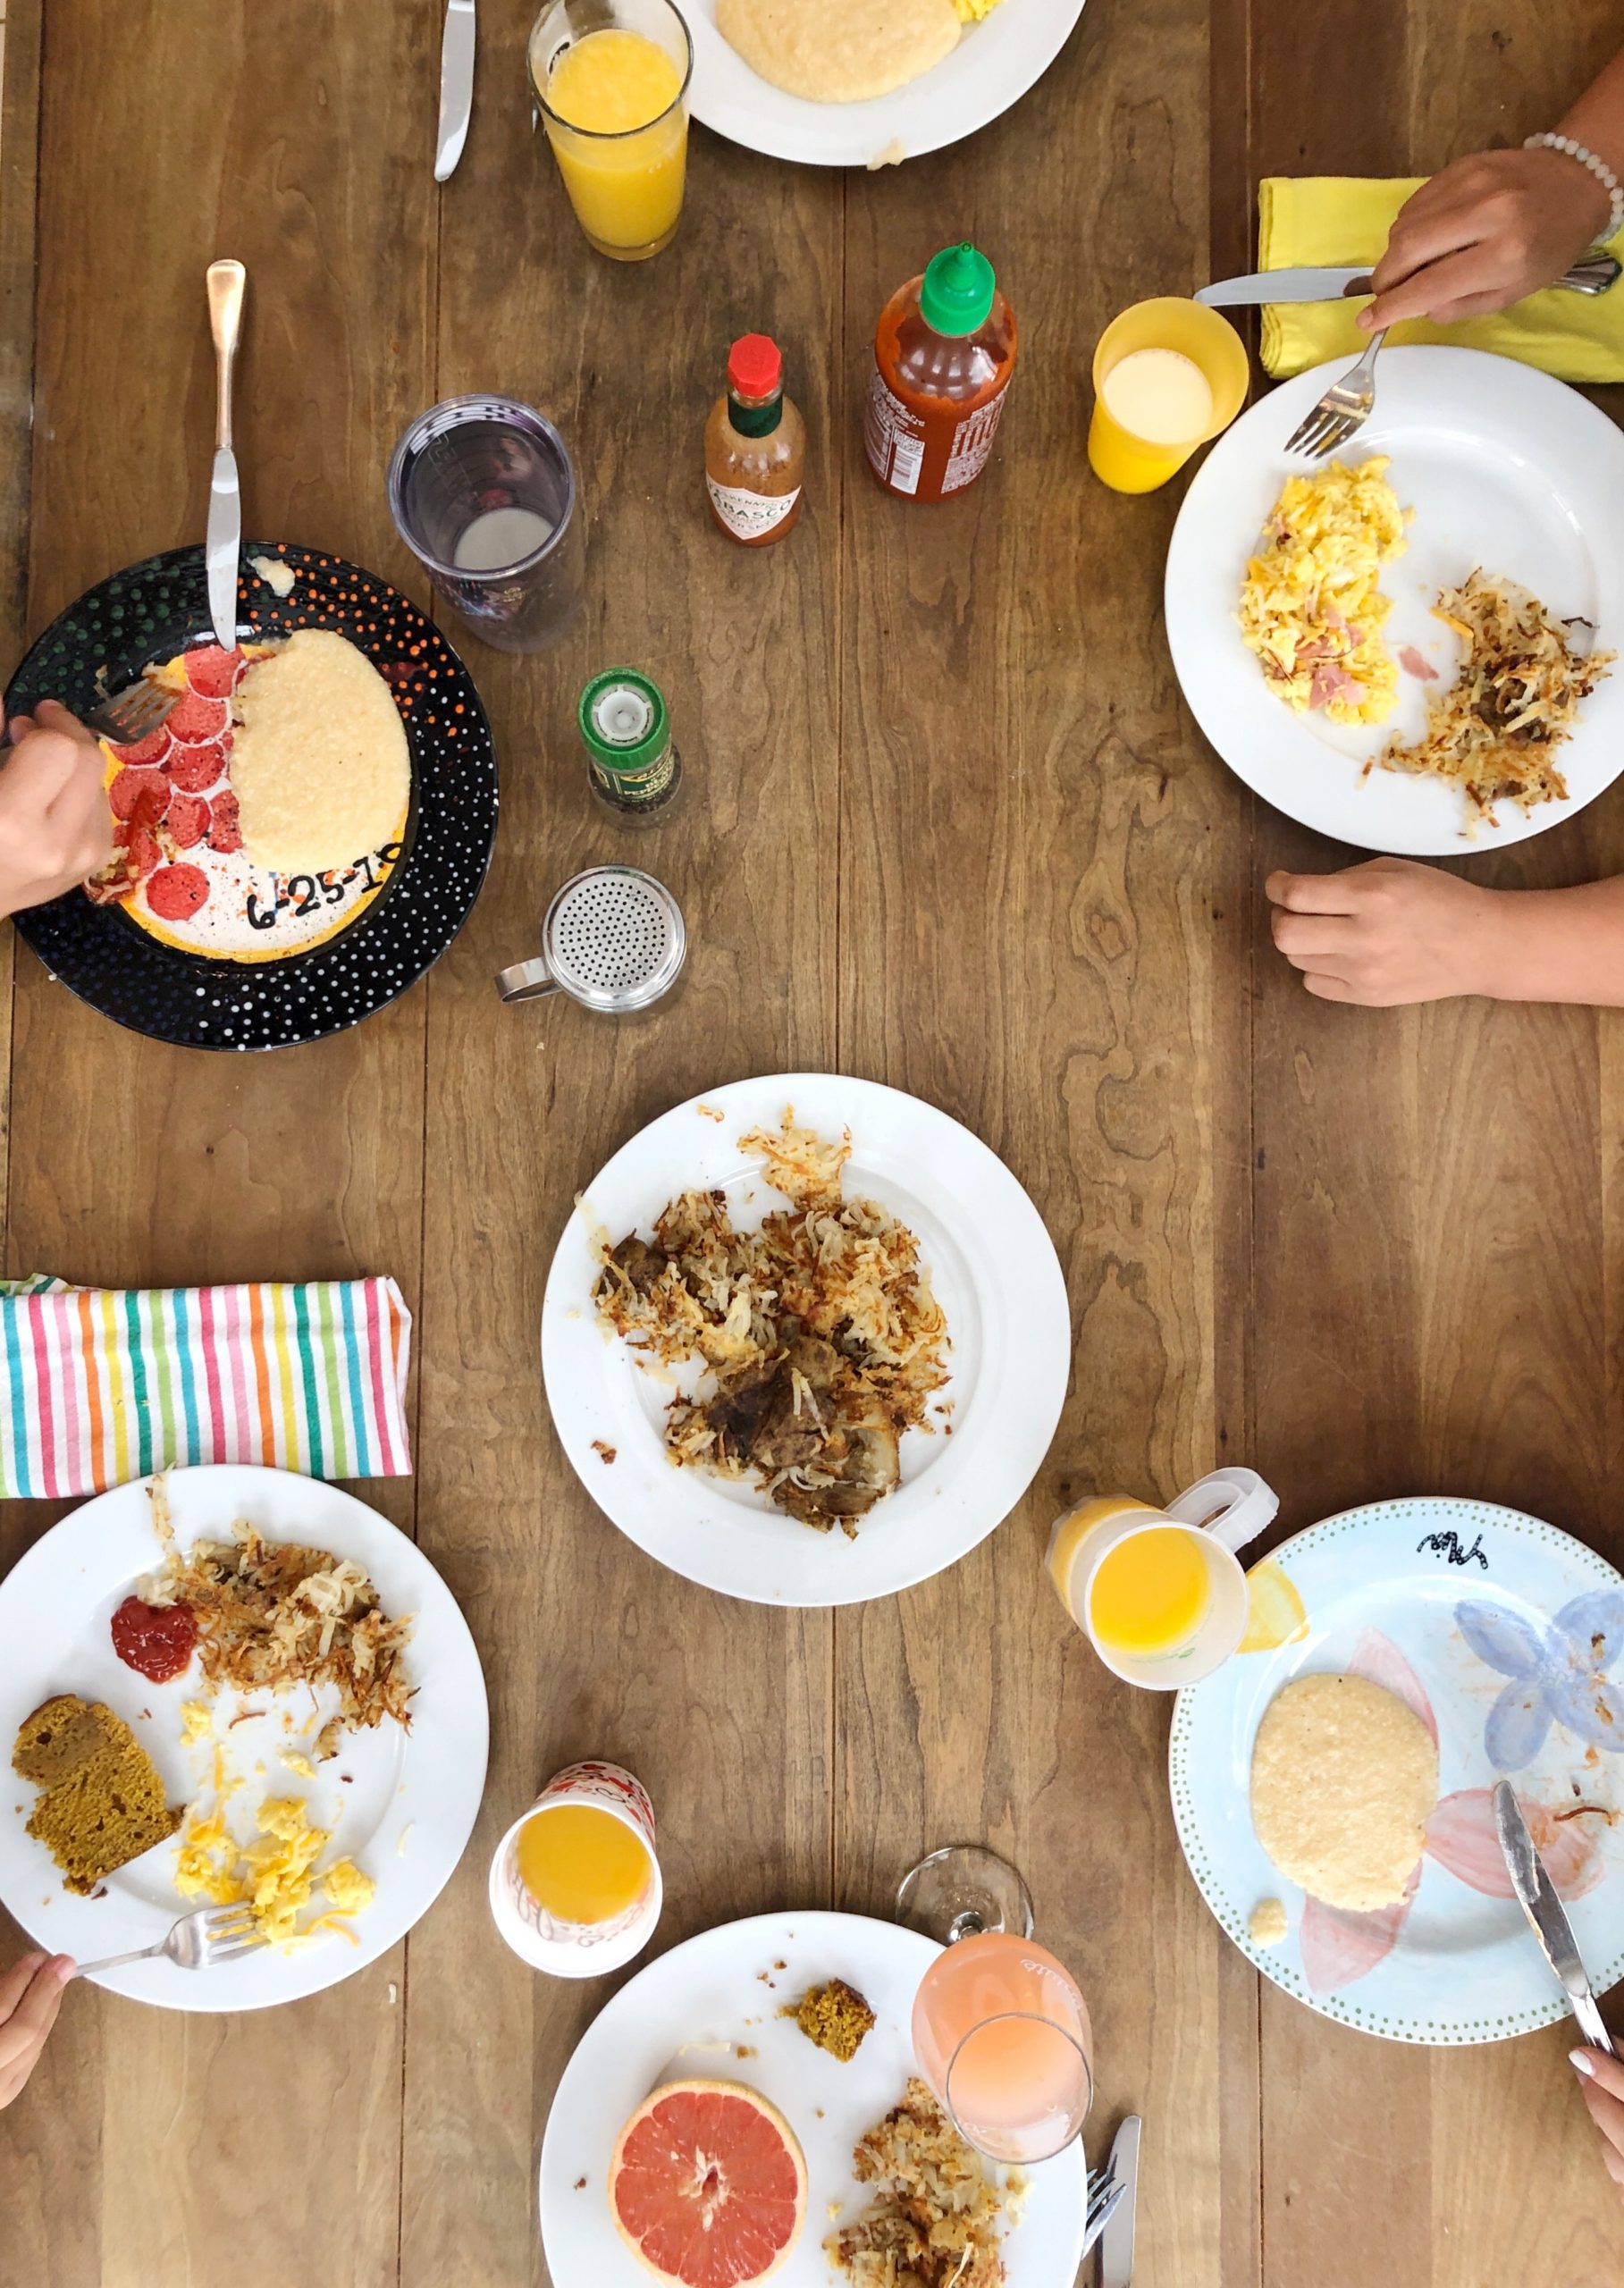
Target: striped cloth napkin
<point>101,1385</point>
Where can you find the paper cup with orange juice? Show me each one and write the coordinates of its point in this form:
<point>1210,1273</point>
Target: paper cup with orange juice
<point>574,1884</point>
<point>1160,1593</point>
<point>1168,375</point>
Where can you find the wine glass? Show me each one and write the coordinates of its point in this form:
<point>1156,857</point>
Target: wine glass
<point>1000,2028</point>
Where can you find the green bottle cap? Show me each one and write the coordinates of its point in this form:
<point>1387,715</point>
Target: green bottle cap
<point>956,296</point>
<point>622,720</point>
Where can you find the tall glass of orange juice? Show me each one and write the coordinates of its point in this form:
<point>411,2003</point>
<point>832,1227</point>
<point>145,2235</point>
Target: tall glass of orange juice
<point>1168,375</point>
<point>610,79</point>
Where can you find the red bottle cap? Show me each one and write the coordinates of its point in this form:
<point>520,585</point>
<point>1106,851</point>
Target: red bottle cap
<point>755,366</point>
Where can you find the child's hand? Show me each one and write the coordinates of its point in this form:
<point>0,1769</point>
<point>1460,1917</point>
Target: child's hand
<point>1601,2081</point>
<point>1483,233</point>
<point>30,1995</point>
<point>1385,933</point>
<point>55,826</point>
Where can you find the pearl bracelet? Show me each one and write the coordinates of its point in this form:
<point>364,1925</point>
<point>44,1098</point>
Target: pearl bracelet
<point>1599,168</point>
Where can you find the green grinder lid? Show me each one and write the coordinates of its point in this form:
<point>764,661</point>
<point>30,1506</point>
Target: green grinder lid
<point>623,719</point>
<point>957,291</point>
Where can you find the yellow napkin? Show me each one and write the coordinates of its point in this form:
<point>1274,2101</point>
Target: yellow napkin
<point>1340,219</point>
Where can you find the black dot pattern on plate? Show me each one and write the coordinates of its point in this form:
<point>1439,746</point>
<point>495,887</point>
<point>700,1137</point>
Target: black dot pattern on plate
<point>609,935</point>
<point>152,610</point>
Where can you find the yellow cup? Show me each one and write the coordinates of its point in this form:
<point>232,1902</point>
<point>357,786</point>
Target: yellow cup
<point>1129,464</point>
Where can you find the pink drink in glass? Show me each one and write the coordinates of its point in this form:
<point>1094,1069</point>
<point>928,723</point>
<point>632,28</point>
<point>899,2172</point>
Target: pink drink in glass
<point>1002,2035</point>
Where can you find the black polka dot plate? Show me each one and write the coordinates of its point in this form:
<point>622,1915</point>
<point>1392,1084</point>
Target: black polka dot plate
<point>149,613</point>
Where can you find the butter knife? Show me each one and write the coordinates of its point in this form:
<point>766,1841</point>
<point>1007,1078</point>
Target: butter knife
<point>456,86</point>
<point>1116,2240</point>
<point>1544,1909</point>
<point>1592,275</point>
<point>226,283</point>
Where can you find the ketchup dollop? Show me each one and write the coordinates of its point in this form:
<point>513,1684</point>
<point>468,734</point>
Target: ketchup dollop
<point>155,1640</point>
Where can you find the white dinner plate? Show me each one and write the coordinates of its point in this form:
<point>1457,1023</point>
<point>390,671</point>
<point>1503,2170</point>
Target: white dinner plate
<point>994,64</point>
<point>689,2016</point>
<point>1506,469</point>
<point>399,1803</point>
<point>1508,1637</point>
<point>992,1267</point>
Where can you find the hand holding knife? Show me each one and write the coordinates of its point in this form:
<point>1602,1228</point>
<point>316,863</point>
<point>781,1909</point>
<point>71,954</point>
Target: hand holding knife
<point>1531,1881</point>
<point>1593,275</point>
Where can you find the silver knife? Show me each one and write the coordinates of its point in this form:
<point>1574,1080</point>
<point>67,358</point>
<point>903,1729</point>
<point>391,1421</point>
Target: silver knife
<point>456,86</point>
<point>1116,2240</point>
<point>1592,275</point>
<point>1544,1909</point>
<point>226,283</point>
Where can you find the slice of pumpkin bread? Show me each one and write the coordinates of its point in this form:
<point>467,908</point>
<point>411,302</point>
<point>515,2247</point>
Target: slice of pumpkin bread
<point>102,1801</point>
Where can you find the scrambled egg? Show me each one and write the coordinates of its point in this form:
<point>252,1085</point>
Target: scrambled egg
<point>1311,610</point>
<point>197,1721</point>
<point>275,1872</point>
<point>971,12</point>
<point>295,1759</point>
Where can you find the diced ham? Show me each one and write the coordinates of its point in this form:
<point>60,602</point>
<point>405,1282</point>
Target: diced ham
<point>1333,683</point>
<point>1415,664</point>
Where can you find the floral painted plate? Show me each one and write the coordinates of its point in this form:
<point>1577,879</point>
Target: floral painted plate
<point>282,959</point>
<point>1507,1639</point>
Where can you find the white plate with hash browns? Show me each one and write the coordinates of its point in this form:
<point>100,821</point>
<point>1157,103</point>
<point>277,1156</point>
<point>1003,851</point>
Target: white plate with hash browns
<point>991,1267</point>
<point>399,1803</point>
<point>996,62</point>
<point>709,2010</point>
<point>1507,471</point>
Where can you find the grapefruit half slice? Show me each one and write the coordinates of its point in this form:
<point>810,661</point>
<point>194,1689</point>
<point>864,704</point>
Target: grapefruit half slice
<point>708,2185</point>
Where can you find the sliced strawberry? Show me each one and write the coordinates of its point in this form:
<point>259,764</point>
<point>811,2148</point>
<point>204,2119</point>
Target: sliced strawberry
<point>188,820</point>
<point>143,753</point>
<point>140,795</point>
<point>193,718</point>
<point>192,768</point>
<point>212,671</point>
<point>224,834</point>
<point>175,892</point>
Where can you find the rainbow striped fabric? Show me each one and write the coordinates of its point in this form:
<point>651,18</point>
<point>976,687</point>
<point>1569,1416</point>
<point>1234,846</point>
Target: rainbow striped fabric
<point>100,1384</point>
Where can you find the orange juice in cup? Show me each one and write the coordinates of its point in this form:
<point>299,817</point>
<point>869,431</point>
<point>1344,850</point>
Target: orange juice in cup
<point>574,1884</point>
<point>1168,375</point>
<point>611,80</point>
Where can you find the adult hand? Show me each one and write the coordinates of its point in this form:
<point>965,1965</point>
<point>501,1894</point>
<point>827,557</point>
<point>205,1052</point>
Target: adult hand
<point>30,1995</point>
<point>1485,232</point>
<point>55,824</point>
<point>1602,2081</point>
<point>1385,933</point>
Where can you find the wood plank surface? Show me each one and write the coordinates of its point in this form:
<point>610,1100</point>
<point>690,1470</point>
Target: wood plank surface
<point>948,824</point>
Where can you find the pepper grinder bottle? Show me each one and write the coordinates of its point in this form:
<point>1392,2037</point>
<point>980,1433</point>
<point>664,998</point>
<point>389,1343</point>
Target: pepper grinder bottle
<point>755,447</point>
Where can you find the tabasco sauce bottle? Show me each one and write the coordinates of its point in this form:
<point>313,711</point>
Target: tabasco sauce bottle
<point>755,447</point>
<point>943,352</point>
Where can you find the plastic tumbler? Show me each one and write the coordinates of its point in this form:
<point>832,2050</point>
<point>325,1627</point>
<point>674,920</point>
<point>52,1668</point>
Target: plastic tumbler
<point>623,150</point>
<point>483,494</point>
<point>1128,463</point>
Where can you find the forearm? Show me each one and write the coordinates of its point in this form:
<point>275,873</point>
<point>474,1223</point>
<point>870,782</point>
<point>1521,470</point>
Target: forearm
<point>1597,118</point>
<point>1558,945</point>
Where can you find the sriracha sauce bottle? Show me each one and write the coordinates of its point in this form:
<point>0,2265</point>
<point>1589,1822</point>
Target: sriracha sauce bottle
<point>943,352</point>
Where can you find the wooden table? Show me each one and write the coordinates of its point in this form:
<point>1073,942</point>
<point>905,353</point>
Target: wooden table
<point>950,827</point>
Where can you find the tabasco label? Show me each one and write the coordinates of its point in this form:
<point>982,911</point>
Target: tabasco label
<point>748,514</point>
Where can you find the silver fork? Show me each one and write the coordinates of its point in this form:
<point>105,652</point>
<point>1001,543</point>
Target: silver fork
<point>131,714</point>
<point>1103,2193</point>
<point>198,1941</point>
<point>1345,408</point>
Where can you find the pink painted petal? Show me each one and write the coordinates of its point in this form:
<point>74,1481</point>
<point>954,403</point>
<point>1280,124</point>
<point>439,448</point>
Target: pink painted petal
<point>1379,1659</point>
<point>1569,1848</point>
<point>1338,1948</point>
<point>1461,1836</point>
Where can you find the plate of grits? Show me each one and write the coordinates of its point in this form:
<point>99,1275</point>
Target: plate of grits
<point>1400,1659</point>
<point>1315,618</point>
<point>858,83</point>
<point>308,829</point>
<point>267,1769</point>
